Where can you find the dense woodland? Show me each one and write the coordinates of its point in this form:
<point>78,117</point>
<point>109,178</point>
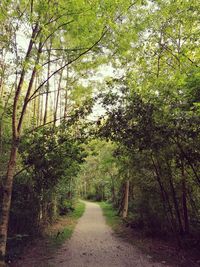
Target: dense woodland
<point>100,100</point>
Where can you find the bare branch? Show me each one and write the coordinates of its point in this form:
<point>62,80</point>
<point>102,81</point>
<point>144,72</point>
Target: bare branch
<point>65,49</point>
<point>52,33</point>
<point>42,125</point>
<point>68,63</point>
<point>64,14</point>
<point>50,61</point>
<point>22,170</point>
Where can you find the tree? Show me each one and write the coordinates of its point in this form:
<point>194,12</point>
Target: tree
<point>82,27</point>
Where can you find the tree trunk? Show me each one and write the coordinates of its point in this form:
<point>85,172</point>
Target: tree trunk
<point>7,201</point>
<point>57,97</point>
<point>176,206</point>
<point>13,153</point>
<point>3,69</point>
<point>85,189</point>
<point>34,113</point>
<point>165,198</point>
<point>184,155</point>
<point>48,85</point>
<point>66,101</point>
<point>121,200</point>
<point>41,110</point>
<point>66,92</point>
<point>126,197</point>
<point>55,208</point>
<point>166,202</point>
<point>113,191</point>
<point>38,112</point>
<point>184,201</point>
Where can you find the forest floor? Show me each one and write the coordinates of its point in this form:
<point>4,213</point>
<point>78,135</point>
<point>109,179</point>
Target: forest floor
<point>95,244</point>
<point>43,248</point>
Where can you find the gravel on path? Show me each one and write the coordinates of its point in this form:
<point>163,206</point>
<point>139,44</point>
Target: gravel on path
<point>93,244</point>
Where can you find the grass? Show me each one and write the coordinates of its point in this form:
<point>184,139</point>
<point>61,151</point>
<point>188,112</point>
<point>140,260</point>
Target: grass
<point>65,229</point>
<point>79,210</point>
<point>110,214</point>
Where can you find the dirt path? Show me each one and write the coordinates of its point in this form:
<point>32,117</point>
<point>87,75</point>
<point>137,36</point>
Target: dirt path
<point>93,244</point>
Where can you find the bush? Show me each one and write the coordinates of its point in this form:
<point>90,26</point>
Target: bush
<point>66,206</point>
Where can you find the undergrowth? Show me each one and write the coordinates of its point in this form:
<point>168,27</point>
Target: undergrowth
<point>65,233</point>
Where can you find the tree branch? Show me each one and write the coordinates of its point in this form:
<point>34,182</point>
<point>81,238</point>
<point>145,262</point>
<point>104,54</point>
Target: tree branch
<point>68,63</point>
<point>52,33</point>
<point>22,170</point>
<point>42,125</point>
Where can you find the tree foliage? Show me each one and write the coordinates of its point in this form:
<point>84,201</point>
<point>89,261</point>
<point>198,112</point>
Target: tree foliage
<point>146,141</point>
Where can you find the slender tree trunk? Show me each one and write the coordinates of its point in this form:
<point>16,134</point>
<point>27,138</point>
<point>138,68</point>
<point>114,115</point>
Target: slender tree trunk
<point>184,201</point>
<point>46,107</point>
<point>38,112</point>
<point>47,91</point>
<point>121,200</point>
<point>126,198</point>
<point>1,136</point>
<point>34,113</point>
<point>70,188</point>
<point>85,189</point>
<point>66,101</point>
<point>57,97</point>
<point>189,162</point>
<point>55,209</point>
<point>7,201</point>
<point>56,107</point>
<point>61,104</point>
<point>176,206</point>
<point>41,110</point>
<point>66,92</point>
<point>194,207</point>
<point>113,190</point>
<point>166,202</point>
<point>164,197</point>
<point>3,69</point>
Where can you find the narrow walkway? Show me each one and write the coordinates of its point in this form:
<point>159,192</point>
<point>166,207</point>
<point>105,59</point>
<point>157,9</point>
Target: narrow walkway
<point>93,244</point>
